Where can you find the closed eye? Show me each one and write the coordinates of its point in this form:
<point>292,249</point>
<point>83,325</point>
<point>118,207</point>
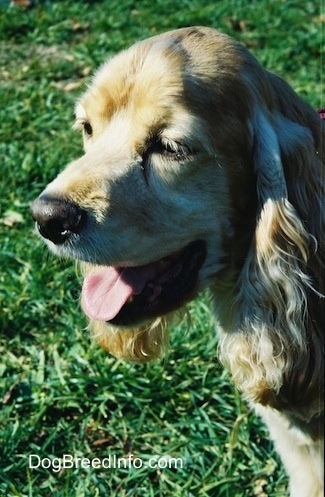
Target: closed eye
<point>167,148</point>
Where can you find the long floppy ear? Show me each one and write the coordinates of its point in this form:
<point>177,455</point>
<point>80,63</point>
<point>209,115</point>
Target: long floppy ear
<point>272,287</point>
<point>280,233</point>
<point>281,240</point>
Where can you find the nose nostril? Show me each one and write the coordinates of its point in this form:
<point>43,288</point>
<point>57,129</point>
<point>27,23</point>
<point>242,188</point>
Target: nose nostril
<point>54,231</point>
<point>57,219</point>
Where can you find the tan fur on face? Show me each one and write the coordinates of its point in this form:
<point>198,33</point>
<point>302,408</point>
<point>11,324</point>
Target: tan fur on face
<point>248,180</point>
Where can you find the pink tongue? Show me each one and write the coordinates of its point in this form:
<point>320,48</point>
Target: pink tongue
<point>105,292</point>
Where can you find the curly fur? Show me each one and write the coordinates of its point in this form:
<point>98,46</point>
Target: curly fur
<point>248,179</point>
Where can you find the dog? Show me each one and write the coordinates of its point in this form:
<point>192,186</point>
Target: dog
<point>203,170</point>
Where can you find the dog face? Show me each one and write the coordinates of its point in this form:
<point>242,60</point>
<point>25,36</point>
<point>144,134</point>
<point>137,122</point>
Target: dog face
<point>181,186</point>
<point>149,203</point>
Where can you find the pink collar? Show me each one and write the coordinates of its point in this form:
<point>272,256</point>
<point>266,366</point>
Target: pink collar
<point>321,113</point>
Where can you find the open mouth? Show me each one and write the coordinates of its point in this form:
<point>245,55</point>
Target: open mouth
<point>131,295</point>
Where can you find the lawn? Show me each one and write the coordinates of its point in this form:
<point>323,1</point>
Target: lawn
<point>59,393</point>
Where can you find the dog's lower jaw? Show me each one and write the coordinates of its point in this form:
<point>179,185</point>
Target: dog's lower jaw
<point>139,344</point>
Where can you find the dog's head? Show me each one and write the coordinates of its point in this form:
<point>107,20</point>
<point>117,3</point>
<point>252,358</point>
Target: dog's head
<point>183,141</point>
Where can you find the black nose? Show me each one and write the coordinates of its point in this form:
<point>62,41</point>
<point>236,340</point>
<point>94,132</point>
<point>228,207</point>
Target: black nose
<point>57,219</point>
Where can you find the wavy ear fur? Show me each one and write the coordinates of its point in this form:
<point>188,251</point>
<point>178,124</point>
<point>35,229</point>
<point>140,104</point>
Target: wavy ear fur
<point>272,344</point>
<point>280,236</point>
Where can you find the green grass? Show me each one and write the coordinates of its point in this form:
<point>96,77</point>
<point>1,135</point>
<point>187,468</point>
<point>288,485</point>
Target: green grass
<point>60,393</point>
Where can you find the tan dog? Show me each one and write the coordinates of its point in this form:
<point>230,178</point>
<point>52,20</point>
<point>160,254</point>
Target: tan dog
<point>203,170</point>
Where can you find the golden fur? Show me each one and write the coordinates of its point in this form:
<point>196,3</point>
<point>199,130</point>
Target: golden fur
<point>238,163</point>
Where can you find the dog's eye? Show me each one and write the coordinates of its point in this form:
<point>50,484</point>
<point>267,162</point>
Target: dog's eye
<point>84,125</point>
<point>87,127</point>
<point>168,148</point>
<point>164,148</point>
